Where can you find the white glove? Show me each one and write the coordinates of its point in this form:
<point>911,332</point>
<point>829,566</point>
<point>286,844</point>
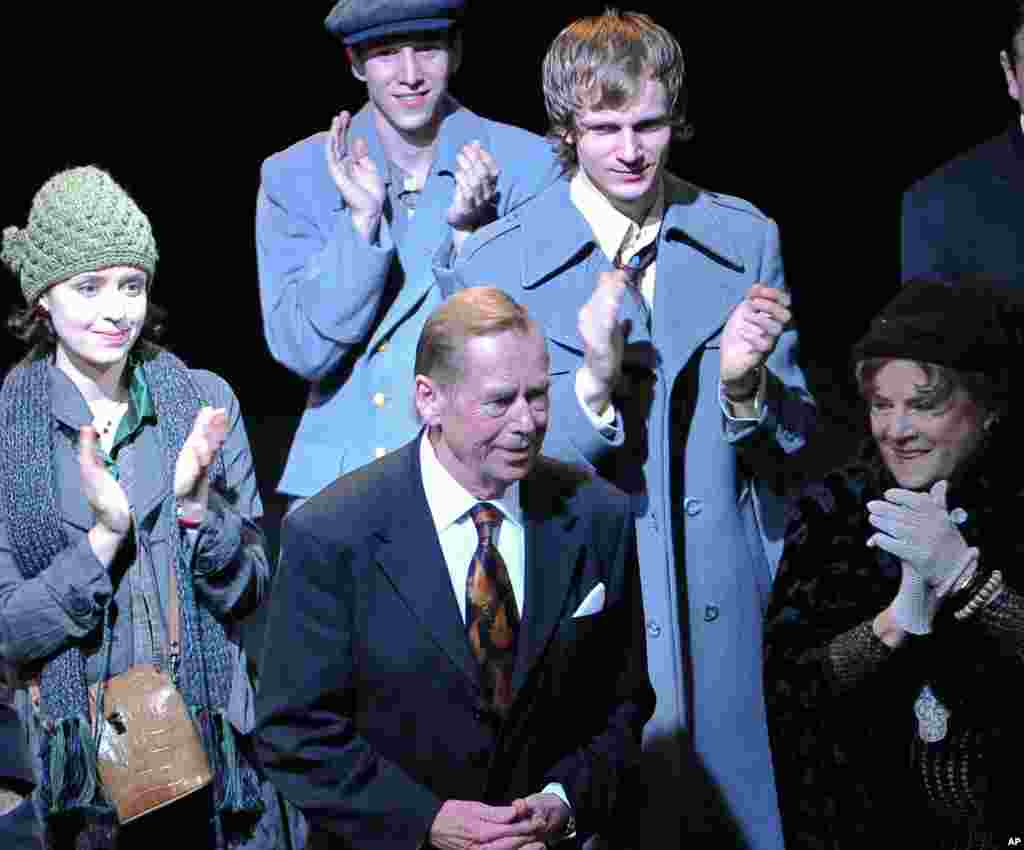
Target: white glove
<point>917,529</point>
<point>915,604</point>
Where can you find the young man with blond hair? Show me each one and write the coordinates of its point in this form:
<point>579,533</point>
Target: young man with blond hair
<point>674,375</point>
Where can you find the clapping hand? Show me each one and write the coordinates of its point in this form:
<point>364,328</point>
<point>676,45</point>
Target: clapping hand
<point>476,181</point>
<point>104,494</point>
<point>750,335</point>
<point>208,434</point>
<point>355,175</point>
<point>603,340</point>
<point>916,528</point>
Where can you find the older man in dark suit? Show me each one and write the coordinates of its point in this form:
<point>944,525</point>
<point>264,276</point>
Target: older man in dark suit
<point>455,643</point>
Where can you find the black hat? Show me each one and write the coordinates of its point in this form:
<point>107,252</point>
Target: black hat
<point>968,324</point>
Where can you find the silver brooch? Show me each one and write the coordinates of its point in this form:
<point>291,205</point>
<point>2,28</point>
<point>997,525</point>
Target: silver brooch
<point>932,716</point>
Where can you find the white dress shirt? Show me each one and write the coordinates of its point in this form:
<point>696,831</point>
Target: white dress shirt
<point>449,504</point>
<point>613,230</point>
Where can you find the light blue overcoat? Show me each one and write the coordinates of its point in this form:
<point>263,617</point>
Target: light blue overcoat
<point>345,314</point>
<point>710,516</point>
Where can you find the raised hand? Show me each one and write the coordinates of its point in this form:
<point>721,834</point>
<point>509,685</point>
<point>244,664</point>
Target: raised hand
<point>750,336</point>
<point>603,340</point>
<point>104,494</point>
<point>355,175</point>
<point>476,181</point>
<point>916,528</point>
<point>208,434</point>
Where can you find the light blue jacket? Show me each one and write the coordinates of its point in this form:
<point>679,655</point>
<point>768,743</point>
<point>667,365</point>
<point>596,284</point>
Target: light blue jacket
<point>345,314</point>
<point>708,535</point>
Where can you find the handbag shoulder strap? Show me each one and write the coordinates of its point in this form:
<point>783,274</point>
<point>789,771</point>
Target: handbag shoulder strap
<point>174,615</point>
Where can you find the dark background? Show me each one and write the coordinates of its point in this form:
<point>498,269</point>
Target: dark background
<point>821,118</point>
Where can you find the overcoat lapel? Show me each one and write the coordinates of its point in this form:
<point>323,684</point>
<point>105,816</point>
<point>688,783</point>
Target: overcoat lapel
<point>553,541</point>
<point>410,554</point>
<point>549,249</point>
<point>561,261</point>
<point>695,247</point>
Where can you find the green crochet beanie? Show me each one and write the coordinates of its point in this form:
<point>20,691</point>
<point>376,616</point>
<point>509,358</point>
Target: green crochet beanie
<point>80,221</point>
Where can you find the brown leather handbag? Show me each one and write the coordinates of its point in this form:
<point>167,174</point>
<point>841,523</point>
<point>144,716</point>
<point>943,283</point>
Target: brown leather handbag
<point>150,752</point>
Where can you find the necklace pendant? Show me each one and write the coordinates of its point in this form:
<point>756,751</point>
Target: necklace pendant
<point>932,717</point>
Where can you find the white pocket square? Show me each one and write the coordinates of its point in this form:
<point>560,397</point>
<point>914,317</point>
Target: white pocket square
<point>593,604</point>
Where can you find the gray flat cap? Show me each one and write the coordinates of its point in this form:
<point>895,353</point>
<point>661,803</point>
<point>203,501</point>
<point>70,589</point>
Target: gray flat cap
<point>356,21</point>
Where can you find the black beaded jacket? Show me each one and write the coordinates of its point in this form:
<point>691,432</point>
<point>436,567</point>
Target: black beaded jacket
<point>850,768</point>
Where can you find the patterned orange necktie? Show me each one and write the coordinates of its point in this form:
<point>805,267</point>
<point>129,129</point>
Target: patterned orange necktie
<point>492,617</point>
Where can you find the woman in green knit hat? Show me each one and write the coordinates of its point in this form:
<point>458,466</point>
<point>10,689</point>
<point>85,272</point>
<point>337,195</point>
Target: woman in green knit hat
<point>128,540</point>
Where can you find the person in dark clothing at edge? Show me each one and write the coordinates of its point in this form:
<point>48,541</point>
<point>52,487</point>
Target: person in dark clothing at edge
<point>967,218</point>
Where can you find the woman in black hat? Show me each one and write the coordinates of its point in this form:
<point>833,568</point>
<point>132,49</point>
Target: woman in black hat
<point>895,635</point>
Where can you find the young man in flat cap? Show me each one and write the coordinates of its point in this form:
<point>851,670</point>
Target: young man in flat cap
<point>674,375</point>
<point>347,222</point>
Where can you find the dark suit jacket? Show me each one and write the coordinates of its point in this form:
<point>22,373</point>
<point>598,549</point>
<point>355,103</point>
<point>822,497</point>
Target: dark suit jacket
<point>18,828</point>
<point>968,216</point>
<point>369,713</point>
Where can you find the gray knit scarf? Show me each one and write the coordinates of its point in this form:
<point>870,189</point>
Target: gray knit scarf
<point>31,505</point>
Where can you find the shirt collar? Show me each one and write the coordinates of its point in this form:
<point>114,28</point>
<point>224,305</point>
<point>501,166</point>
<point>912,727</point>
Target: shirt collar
<point>458,127</point>
<point>69,407</point>
<point>610,227</point>
<point>448,500</point>
<point>140,406</point>
<point>399,177</point>
<point>67,404</point>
